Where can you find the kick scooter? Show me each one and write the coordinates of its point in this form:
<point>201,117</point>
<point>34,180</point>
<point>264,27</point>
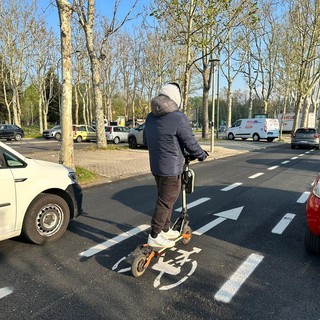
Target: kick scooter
<point>141,257</point>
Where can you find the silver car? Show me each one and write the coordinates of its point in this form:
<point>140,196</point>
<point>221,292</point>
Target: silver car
<point>54,132</point>
<point>305,137</point>
<point>117,134</point>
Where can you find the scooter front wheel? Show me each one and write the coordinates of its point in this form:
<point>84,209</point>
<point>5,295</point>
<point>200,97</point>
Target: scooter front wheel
<point>188,232</point>
<point>138,265</point>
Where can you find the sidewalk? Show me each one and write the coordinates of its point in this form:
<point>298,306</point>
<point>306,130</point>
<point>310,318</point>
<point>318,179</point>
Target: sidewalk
<point>112,165</point>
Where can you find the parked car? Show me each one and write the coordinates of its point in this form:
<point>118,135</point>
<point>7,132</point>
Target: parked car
<point>135,137</point>
<point>84,132</point>
<point>54,132</point>
<point>312,233</point>
<point>38,198</point>
<point>305,137</point>
<point>117,134</point>
<point>11,131</point>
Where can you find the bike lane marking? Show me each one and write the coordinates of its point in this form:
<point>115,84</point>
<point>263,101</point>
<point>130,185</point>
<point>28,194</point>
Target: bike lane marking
<point>303,198</point>
<point>194,203</point>
<point>232,214</point>
<point>116,240</point>
<point>5,292</point>
<point>232,286</point>
<point>232,186</point>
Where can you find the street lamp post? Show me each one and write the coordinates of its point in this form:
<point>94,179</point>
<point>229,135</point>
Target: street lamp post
<point>218,100</point>
<point>214,62</point>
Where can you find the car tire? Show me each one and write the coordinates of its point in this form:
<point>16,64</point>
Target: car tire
<point>79,139</point>
<point>256,137</point>
<point>311,242</point>
<point>116,140</point>
<point>18,137</point>
<point>57,136</point>
<point>230,136</point>
<point>132,143</point>
<point>46,219</point>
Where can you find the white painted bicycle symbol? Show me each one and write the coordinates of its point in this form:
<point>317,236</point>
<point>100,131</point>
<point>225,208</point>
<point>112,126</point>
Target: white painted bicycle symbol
<point>171,267</point>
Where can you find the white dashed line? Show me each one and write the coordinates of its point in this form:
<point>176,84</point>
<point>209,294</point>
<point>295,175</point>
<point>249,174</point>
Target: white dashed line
<point>5,292</point>
<point>283,223</point>
<point>274,167</point>
<point>256,175</point>
<point>285,162</point>
<point>232,186</point>
<point>194,203</point>
<point>303,197</point>
<point>231,287</point>
<point>111,242</point>
<point>294,158</point>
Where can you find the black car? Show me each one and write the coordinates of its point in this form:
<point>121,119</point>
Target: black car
<point>305,137</point>
<point>11,131</point>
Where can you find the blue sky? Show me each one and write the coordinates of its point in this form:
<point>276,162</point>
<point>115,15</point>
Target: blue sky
<point>103,7</point>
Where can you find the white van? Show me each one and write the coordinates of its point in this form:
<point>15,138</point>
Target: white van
<point>256,128</point>
<point>37,198</point>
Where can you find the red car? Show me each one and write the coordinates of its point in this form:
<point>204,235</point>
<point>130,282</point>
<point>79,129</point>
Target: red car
<point>312,235</point>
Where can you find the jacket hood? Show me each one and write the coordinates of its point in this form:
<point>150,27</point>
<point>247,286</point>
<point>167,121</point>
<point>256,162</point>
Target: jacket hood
<point>162,105</point>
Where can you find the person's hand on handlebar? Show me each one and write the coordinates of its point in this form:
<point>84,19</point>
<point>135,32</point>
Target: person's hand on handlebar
<point>204,156</point>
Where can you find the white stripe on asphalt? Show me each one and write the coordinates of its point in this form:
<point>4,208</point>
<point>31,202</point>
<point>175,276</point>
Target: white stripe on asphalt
<point>256,175</point>
<point>304,197</point>
<point>301,155</point>
<point>111,242</point>
<point>232,186</point>
<point>283,223</point>
<point>231,287</point>
<point>274,167</point>
<point>5,292</point>
<point>285,162</point>
<point>194,203</point>
<point>208,226</point>
<point>294,158</point>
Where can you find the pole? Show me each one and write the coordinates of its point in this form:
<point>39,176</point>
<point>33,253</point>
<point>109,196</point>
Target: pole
<point>212,113</point>
<point>218,102</point>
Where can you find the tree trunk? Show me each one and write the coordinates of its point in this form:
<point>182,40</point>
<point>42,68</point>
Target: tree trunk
<point>67,151</point>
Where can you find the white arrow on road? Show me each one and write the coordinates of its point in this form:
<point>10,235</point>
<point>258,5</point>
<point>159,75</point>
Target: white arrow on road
<point>232,214</point>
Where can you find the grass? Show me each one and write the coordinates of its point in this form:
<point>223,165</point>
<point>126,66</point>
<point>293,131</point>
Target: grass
<point>84,176</point>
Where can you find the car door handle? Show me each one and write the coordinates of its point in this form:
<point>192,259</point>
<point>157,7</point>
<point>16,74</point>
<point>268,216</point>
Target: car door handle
<point>20,180</point>
<point>5,204</point>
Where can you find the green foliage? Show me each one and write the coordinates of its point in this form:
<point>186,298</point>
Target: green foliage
<point>84,176</point>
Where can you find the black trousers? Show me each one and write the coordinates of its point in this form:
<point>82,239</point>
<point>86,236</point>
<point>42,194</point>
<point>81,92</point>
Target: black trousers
<point>168,193</point>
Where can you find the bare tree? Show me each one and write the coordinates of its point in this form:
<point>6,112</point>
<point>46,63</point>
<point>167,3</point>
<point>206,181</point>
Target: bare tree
<point>67,152</point>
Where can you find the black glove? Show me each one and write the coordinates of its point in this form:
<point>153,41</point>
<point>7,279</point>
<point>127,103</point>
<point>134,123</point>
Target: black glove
<point>204,156</point>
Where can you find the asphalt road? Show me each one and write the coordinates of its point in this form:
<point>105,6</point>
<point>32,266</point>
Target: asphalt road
<point>246,259</point>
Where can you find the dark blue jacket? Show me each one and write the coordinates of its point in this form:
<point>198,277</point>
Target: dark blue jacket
<point>168,133</point>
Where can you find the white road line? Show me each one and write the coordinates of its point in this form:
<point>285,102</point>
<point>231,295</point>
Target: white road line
<point>194,203</point>
<point>285,162</point>
<point>111,242</point>
<point>232,186</point>
<point>303,197</point>
<point>294,158</point>
<point>208,226</point>
<point>256,175</point>
<point>283,223</point>
<point>231,287</point>
<point>5,292</point>
<point>301,155</point>
<point>274,167</point>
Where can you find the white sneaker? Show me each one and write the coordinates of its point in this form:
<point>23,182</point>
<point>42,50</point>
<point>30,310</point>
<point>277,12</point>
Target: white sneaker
<point>171,234</point>
<point>160,241</point>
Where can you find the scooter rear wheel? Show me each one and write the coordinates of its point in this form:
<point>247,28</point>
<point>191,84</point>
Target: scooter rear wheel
<point>187,230</point>
<point>138,265</point>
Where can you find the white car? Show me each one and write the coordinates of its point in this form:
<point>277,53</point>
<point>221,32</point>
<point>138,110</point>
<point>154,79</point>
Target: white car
<point>37,198</point>
<point>117,134</point>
